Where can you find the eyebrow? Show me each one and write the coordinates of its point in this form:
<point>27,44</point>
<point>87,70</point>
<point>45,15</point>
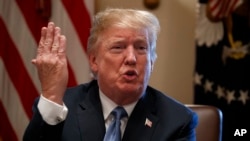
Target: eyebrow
<point>121,39</point>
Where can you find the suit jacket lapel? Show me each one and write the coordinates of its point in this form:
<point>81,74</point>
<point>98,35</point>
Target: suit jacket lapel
<point>92,124</point>
<point>90,117</point>
<point>142,121</point>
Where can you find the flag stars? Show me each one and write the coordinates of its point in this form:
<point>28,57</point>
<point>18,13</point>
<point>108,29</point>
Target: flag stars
<point>220,92</point>
<point>243,97</point>
<point>208,86</point>
<point>230,96</point>
<point>197,79</point>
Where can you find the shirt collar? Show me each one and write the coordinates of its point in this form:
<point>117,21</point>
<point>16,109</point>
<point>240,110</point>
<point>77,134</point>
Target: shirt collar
<point>108,105</point>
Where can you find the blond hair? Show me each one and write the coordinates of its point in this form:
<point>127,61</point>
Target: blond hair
<point>125,18</point>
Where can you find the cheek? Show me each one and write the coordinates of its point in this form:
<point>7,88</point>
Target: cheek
<point>107,65</point>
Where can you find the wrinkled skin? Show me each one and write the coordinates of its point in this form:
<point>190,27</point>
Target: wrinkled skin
<point>121,63</point>
<point>51,63</point>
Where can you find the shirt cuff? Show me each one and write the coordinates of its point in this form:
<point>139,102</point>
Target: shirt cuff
<point>52,113</point>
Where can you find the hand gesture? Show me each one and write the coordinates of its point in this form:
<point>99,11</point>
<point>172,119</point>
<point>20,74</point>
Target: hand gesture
<point>51,63</point>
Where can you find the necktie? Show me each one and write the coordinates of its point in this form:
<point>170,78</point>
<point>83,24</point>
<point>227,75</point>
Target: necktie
<point>114,133</point>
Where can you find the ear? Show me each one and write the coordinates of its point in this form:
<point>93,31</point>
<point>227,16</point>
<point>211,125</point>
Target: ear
<point>92,62</point>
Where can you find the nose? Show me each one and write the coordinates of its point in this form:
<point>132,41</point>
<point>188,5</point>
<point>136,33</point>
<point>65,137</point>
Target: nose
<point>130,56</point>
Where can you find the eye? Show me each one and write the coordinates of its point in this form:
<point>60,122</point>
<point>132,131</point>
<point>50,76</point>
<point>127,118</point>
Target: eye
<point>116,49</point>
<point>142,49</point>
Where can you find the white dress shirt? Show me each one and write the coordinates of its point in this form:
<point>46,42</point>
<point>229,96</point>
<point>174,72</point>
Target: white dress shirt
<point>107,107</point>
<point>53,113</point>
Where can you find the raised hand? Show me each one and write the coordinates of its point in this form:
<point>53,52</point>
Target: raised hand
<point>51,63</point>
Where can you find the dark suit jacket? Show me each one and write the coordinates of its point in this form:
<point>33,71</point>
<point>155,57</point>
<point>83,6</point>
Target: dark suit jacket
<point>171,121</point>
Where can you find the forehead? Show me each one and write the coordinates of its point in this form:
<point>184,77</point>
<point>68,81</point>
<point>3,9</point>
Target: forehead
<point>116,33</point>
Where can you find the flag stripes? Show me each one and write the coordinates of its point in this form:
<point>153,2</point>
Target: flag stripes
<point>222,8</point>
<point>20,27</point>
<point>20,35</point>
<point>17,71</point>
<point>6,133</point>
<point>33,20</point>
<point>75,51</point>
<point>13,119</point>
<point>77,6</point>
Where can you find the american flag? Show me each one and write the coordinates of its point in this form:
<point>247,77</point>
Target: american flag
<point>20,26</point>
<point>148,123</point>
<point>222,8</point>
<point>222,68</point>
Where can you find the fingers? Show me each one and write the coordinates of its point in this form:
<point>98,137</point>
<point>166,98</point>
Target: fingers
<point>50,40</point>
<point>46,39</point>
<point>49,37</point>
<point>40,48</point>
<point>62,43</point>
<point>62,48</point>
<point>55,45</point>
<point>51,43</point>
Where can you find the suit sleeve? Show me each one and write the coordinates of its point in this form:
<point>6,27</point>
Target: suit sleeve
<point>39,130</point>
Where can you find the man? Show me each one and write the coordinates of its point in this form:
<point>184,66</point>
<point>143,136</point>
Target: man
<point>121,51</point>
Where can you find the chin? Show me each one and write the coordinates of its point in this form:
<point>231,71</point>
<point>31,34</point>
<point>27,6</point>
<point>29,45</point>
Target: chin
<point>131,88</point>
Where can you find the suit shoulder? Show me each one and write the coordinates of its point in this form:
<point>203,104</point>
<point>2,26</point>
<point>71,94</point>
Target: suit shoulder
<point>169,108</point>
<point>82,87</point>
<point>167,102</point>
<point>80,91</point>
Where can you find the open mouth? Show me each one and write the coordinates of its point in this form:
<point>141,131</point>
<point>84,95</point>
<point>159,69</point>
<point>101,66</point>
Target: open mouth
<point>130,75</point>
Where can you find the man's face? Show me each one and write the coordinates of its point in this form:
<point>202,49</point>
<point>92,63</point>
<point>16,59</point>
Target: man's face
<point>122,63</point>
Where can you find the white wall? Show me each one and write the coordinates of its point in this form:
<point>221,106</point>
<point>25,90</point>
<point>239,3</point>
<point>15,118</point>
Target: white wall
<point>173,71</point>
